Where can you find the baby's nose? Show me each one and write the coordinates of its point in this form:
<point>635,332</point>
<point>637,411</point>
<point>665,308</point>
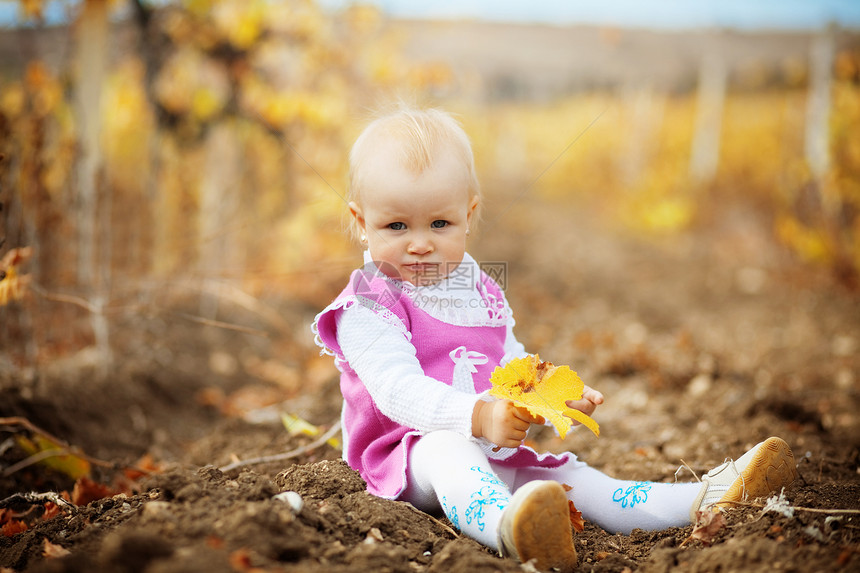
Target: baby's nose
<point>420,246</point>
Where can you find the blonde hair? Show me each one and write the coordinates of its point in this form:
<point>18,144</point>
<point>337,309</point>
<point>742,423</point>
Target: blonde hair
<point>421,135</point>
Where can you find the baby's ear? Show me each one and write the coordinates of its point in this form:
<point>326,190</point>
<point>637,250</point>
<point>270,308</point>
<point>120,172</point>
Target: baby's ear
<point>473,204</point>
<point>355,211</point>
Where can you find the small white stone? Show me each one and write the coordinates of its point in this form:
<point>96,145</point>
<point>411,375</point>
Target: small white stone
<point>373,536</point>
<point>159,509</point>
<point>292,498</point>
<point>814,533</point>
<point>699,385</point>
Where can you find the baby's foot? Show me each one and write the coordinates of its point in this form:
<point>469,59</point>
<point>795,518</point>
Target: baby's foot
<point>762,471</point>
<point>536,525</point>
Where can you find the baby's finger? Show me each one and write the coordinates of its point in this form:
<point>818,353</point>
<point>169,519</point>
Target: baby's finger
<point>584,406</point>
<point>526,416</point>
<point>515,439</point>
<point>592,395</point>
<point>519,425</point>
<point>509,442</point>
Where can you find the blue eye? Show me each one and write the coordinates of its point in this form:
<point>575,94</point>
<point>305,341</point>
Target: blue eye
<point>439,224</point>
<point>396,226</point>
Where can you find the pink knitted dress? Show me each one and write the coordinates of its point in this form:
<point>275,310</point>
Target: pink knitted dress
<point>453,347</point>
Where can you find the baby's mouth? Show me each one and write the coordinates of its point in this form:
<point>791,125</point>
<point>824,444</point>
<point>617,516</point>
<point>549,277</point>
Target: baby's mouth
<point>422,273</point>
<point>421,267</point>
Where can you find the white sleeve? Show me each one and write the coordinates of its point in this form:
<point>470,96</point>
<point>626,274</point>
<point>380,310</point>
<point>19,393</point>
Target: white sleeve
<point>386,363</point>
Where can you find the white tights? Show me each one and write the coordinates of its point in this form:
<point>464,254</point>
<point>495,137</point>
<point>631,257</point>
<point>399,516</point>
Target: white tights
<point>448,471</point>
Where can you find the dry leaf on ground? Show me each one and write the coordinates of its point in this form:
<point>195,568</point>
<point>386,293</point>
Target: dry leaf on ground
<point>708,523</point>
<point>52,550</point>
<point>576,520</point>
<point>87,490</point>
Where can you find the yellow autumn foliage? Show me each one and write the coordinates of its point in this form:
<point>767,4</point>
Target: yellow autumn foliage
<point>292,82</point>
<point>12,286</point>
<point>543,389</point>
<point>241,23</point>
<point>30,9</point>
<point>193,83</point>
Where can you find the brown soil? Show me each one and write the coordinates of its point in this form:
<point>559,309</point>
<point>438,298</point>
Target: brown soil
<point>703,345</point>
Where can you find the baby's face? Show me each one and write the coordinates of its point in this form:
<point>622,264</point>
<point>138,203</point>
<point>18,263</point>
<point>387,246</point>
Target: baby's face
<point>416,223</point>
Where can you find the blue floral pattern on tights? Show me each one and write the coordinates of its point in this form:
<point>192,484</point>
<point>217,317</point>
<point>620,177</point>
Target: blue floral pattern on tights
<point>495,494</point>
<point>635,494</point>
<point>488,477</point>
<point>486,497</point>
<point>451,513</point>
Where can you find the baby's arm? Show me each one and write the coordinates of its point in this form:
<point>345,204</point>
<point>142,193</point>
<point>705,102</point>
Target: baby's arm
<point>387,365</point>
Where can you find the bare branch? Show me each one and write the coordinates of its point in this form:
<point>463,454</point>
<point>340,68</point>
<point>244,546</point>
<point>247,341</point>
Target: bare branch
<point>35,459</point>
<point>24,499</point>
<point>796,508</point>
<point>221,324</point>
<point>436,521</point>
<point>76,300</point>
<point>287,455</point>
<point>19,421</point>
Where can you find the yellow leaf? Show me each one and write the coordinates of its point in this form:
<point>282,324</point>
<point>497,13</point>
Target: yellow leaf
<point>12,285</point>
<point>542,389</point>
<point>62,461</point>
<point>297,425</point>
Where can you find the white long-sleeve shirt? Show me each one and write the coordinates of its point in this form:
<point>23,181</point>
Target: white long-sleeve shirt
<point>385,361</point>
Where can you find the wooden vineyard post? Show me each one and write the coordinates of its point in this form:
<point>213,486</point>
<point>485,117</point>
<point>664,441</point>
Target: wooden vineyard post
<point>93,255</point>
<point>817,134</point>
<point>711,95</point>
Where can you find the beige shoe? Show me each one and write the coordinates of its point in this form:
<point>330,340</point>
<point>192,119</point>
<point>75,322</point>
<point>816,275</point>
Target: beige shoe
<point>762,471</point>
<point>536,525</point>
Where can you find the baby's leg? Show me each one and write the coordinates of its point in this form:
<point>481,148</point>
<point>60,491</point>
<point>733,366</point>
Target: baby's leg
<point>449,471</point>
<point>619,506</point>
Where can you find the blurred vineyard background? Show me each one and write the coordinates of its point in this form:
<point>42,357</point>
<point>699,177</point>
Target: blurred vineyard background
<point>174,160</point>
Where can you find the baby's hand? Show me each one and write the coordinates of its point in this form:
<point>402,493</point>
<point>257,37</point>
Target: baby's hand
<point>502,423</point>
<point>589,402</point>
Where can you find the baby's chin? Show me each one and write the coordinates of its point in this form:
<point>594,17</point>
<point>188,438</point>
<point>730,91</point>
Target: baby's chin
<point>413,279</point>
<point>422,280</point>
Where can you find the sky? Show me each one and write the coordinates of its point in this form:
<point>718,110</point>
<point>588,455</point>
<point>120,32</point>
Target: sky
<point>658,14</point>
<point>663,14</point>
